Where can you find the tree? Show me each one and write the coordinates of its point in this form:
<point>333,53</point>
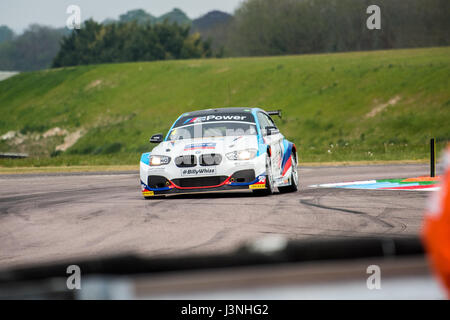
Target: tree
<point>6,34</point>
<point>272,27</point>
<point>33,50</point>
<point>214,27</point>
<point>175,16</point>
<point>140,16</point>
<point>131,41</point>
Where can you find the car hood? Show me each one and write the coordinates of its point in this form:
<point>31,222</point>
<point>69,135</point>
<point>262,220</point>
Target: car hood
<point>221,145</point>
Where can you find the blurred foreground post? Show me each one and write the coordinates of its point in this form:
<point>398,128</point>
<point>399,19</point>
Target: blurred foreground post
<point>432,158</point>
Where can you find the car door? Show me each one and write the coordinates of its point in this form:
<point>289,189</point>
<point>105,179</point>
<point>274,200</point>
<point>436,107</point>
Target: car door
<point>274,140</point>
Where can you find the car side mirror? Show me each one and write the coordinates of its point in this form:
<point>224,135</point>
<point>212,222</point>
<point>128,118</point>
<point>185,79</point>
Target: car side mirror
<point>157,138</point>
<point>270,130</point>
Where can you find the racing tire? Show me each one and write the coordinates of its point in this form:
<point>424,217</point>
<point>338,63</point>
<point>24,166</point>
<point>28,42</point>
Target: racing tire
<point>270,189</point>
<point>294,178</point>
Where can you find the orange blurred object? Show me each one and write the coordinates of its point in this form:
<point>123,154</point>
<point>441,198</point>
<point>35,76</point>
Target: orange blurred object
<point>436,229</point>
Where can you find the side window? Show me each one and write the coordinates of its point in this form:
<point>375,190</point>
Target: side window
<point>270,121</point>
<point>263,123</point>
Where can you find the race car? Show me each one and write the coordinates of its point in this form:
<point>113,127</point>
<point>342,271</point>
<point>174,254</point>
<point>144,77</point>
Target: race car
<point>224,149</point>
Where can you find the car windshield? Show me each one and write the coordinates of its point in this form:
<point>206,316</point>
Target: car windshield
<point>209,130</point>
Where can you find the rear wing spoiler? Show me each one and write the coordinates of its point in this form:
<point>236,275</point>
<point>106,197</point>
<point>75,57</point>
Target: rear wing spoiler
<point>274,113</point>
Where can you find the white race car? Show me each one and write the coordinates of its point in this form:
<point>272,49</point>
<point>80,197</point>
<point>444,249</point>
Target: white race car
<point>220,149</point>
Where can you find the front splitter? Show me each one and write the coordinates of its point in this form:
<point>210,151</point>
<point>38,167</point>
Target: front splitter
<point>175,191</point>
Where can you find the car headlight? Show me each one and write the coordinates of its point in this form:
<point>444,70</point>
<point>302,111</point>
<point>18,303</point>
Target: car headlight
<point>246,154</point>
<point>159,160</point>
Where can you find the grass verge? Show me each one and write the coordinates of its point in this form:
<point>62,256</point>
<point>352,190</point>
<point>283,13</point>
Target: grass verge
<point>357,106</point>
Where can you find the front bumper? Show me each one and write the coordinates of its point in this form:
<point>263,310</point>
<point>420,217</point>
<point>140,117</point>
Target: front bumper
<point>225,178</point>
<point>227,185</point>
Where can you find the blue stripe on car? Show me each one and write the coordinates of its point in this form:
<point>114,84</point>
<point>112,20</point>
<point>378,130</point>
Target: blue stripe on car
<point>151,189</point>
<point>167,136</point>
<point>287,154</point>
<point>262,148</point>
<point>145,158</point>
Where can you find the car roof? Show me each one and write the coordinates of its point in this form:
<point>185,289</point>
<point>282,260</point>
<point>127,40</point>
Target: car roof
<point>219,111</point>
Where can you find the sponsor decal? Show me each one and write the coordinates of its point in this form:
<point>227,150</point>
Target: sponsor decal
<point>191,120</point>
<point>147,193</point>
<point>216,117</point>
<point>196,172</point>
<point>261,184</point>
<point>200,146</point>
<point>258,186</point>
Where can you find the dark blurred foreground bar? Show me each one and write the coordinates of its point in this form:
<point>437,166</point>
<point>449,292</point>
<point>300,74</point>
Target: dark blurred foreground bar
<point>253,253</point>
<point>282,268</point>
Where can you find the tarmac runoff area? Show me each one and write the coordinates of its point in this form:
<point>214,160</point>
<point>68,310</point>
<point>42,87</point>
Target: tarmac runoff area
<point>51,217</point>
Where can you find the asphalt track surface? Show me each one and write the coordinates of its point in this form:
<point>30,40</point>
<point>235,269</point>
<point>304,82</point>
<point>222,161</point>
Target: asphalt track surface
<point>56,217</point>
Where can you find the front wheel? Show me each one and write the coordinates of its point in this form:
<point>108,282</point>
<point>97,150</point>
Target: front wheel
<point>293,187</point>
<point>270,189</point>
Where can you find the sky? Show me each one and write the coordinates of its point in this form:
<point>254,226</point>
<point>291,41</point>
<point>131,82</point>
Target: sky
<point>18,14</point>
